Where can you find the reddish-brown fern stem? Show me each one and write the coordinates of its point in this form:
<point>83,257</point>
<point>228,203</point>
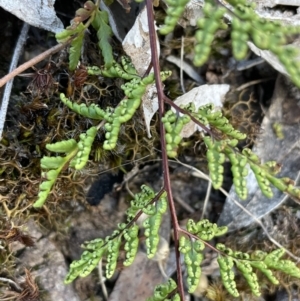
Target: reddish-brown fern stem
<point>166,173</point>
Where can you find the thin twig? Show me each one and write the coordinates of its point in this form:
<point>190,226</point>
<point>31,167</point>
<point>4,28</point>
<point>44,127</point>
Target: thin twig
<point>102,280</point>
<point>13,64</point>
<point>166,173</point>
<point>181,67</point>
<point>34,61</point>
<point>208,192</point>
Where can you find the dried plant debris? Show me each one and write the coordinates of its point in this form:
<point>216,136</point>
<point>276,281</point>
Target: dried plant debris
<point>26,291</point>
<point>15,234</point>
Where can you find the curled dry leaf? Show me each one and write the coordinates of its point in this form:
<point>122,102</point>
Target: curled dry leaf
<point>137,43</point>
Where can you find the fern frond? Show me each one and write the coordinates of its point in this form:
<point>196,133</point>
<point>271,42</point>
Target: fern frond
<point>110,247</point>
<point>88,261</point>
<point>99,20</point>
<point>241,162</point>
<point>115,70</point>
<point>113,247</point>
<point>104,33</point>
<point>131,244</point>
<point>205,230</point>
<point>54,166</point>
<point>65,146</point>
<point>246,26</point>
<point>134,90</point>
<point>259,260</point>
<point>163,291</point>
<point>227,275</point>
<point>77,156</point>
<point>75,49</point>
<point>93,111</point>
<point>84,148</point>
<point>173,126</point>
<point>251,278</point>
<point>192,250</point>
<point>152,225</point>
<point>174,11</point>
<point>192,253</point>
<point>208,26</point>
<point>140,201</point>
